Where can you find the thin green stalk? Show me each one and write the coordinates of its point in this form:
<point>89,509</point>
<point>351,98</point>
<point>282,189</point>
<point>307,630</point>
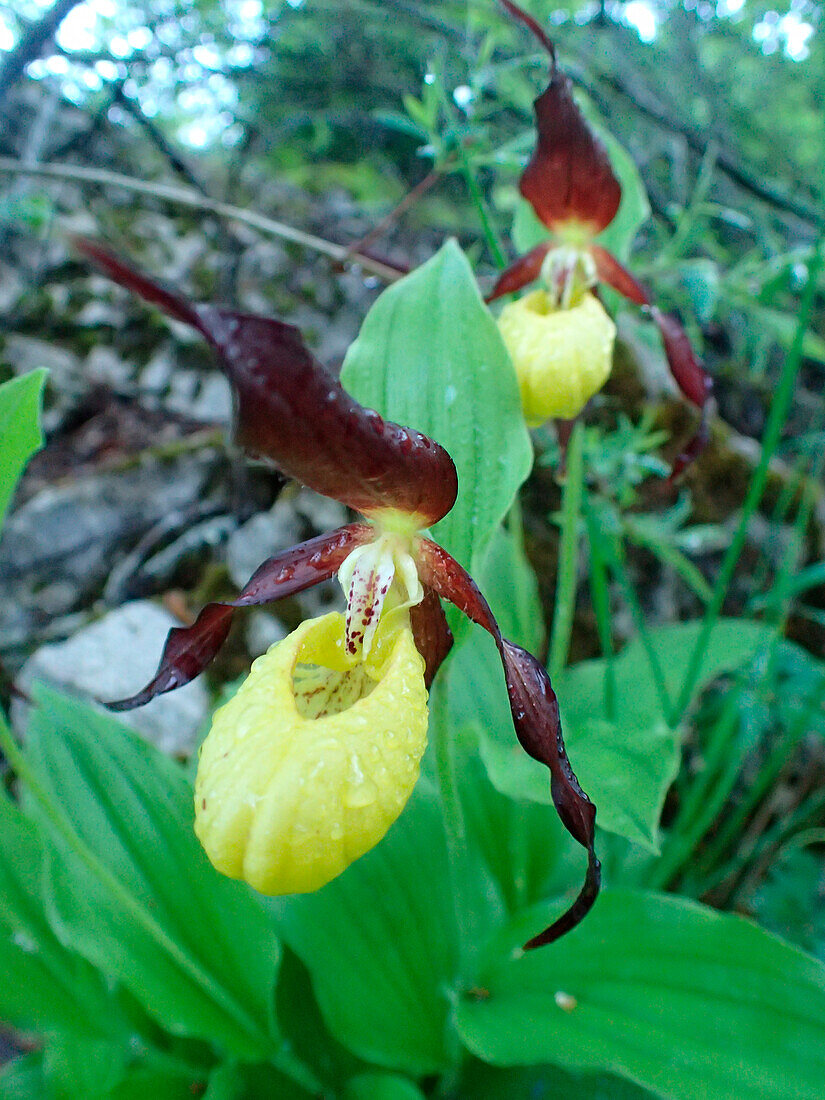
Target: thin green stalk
<point>281,1058</point>
<point>773,839</point>
<point>704,801</point>
<point>773,431</point>
<point>619,566</point>
<point>764,781</point>
<point>490,234</point>
<point>462,873</point>
<point>571,510</point>
<point>600,595</point>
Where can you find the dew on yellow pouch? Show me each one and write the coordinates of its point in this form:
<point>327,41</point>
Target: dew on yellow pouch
<point>308,765</point>
<point>561,356</point>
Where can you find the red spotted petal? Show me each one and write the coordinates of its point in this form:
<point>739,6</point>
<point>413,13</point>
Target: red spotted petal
<point>535,712</point>
<point>525,270</point>
<point>569,178</point>
<point>189,649</point>
<point>433,637</point>
<point>291,410</point>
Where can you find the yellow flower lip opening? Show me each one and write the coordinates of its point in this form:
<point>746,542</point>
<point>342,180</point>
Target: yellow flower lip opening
<point>299,776</point>
<point>561,356</point>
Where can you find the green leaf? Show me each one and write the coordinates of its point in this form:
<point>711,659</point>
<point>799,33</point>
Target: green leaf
<point>430,356</point>
<point>625,760</point>
<point>683,1000</point>
<point>84,1068</point>
<point>483,1082</point>
<point>23,1079</point>
<point>20,434</point>
<point>159,1083</point>
<point>634,210</point>
<point>508,582</point>
<point>380,943</point>
<point>381,1086</point>
<point>44,986</point>
<point>132,891</point>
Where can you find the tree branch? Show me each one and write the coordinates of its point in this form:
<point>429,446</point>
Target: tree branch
<point>181,197</point>
<point>31,43</point>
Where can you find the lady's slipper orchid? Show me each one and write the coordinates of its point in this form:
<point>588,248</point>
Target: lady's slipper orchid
<point>571,186</point>
<point>310,763</point>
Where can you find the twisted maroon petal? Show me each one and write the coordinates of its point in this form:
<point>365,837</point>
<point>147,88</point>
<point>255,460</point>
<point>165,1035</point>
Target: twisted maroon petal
<point>685,366</point>
<point>526,269</point>
<point>291,410</point>
<point>433,637</point>
<point>569,177</point>
<point>610,271</point>
<point>189,649</point>
<point>535,712</point>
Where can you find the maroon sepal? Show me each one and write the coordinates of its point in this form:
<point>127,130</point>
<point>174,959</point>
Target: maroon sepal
<point>535,712</point>
<point>610,271</point>
<point>533,26</point>
<point>694,447</point>
<point>685,367</point>
<point>291,410</point>
<point>569,178</point>
<point>433,637</point>
<point>189,649</point>
<point>526,269</point>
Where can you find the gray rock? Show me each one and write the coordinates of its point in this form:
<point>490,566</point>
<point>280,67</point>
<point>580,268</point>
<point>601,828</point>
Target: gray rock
<point>113,658</point>
<point>262,536</point>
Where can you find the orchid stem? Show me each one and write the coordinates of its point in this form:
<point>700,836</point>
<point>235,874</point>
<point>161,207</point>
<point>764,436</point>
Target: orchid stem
<point>455,827</point>
<point>568,553</point>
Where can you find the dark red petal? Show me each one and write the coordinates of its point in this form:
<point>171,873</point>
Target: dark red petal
<point>291,410</point>
<point>525,270</point>
<point>694,447</point>
<point>535,712</point>
<point>135,281</point>
<point>189,649</point>
<point>569,178</point>
<point>433,637</point>
<point>610,271</point>
<point>685,366</point>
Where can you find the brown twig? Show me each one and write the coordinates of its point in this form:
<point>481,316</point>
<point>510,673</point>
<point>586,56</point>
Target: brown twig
<point>181,197</point>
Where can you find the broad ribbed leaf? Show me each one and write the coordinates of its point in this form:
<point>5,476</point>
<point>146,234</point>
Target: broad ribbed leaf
<point>625,761</point>
<point>430,355</point>
<point>20,434</point>
<point>133,891</point>
<point>44,986</point>
<point>483,1082</point>
<point>686,1001</point>
<point>380,944</point>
